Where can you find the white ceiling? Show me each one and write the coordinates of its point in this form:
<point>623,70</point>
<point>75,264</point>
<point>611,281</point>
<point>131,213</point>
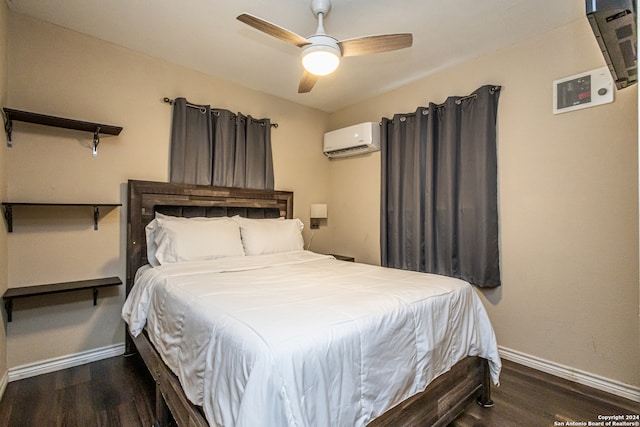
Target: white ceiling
<point>204,35</point>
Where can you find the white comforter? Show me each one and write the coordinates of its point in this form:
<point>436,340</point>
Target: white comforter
<point>301,339</point>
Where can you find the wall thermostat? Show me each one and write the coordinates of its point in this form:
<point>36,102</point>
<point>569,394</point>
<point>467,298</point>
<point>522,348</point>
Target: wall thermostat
<point>583,90</point>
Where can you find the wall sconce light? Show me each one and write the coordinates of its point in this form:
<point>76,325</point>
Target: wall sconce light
<point>318,212</point>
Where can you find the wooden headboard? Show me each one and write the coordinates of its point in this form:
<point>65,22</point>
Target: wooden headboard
<point>145,198</point>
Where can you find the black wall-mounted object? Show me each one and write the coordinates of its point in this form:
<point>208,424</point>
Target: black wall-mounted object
<point>614,24</point>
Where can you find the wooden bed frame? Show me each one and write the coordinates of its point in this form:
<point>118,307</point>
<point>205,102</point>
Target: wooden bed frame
<point>438,405</point>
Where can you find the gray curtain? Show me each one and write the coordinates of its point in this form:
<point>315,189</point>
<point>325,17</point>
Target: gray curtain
<point>439,201</point>
<point>217,147</point>
<point>191,144</point>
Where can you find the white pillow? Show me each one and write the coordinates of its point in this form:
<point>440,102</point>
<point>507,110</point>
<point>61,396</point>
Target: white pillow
<point>192,239</point>
<point>150,232</point>
<point>268,236</point>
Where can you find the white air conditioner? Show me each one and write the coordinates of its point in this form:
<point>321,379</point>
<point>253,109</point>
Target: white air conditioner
<point>353,140</point>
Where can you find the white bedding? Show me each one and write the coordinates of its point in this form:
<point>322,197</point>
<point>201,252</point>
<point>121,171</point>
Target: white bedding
<point>301,339</point>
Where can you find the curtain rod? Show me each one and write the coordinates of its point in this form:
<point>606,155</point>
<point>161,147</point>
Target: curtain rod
<point>202,109</point>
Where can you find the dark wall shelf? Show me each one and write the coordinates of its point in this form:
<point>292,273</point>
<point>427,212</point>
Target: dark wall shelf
<point>12,115</point>
<point>31,291</point>
<point>8,210</point>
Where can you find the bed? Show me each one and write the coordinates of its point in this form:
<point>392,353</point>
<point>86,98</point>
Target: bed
<point>290,337</point>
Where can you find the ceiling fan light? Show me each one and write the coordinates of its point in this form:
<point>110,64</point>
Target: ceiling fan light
<point>320,61</point>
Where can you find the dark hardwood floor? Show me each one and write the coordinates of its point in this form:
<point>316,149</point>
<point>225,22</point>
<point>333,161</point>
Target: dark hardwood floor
<point>119,392</point>
<point>111,392</point>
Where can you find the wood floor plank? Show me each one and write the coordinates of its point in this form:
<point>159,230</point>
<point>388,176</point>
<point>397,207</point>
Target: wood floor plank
<point>118,392</point>
<point>24,395</point>
<point>75,406</point>
<point>70,377</point>
<point>527,397</point>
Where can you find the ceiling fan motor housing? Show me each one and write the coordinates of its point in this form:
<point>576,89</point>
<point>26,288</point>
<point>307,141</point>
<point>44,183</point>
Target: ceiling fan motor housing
<point>323,42</point>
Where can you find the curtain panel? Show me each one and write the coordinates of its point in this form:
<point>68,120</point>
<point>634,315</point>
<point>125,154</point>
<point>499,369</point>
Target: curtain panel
<point>217,147</point>
<point>191,147</point>
<point>439,201</point>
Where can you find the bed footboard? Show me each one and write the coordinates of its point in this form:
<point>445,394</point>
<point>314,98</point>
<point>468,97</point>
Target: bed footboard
<point>444,399</point>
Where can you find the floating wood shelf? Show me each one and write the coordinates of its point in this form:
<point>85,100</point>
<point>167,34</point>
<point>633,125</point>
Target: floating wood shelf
<point>8,210</point>
<point>12,115</point>
<point>31,291</point>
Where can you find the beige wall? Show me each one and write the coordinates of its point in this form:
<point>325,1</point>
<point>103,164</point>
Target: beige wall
<point>3,185</point>
<point>59,72</point>
<point>568,195</point>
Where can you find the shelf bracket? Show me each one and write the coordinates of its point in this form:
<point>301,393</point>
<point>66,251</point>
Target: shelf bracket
<point>8,306</point>
<point>8,215</point>
<point>8,127</point>
<point>96,141</point>
<point>96,216</point>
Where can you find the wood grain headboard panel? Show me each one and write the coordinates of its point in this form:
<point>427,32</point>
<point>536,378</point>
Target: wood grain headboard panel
<point>145,198</point>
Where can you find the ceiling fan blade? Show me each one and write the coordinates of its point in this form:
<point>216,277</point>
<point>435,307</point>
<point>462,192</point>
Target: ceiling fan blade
<point>375,44</point>
<point>307,81</point>
<point>273,30</point>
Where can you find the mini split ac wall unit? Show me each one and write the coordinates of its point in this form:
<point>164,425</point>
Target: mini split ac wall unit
<point>353,140</point>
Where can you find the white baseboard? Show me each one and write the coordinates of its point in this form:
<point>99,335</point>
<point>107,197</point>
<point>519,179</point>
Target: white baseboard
<point>581,377</point>
<point>64,362</point>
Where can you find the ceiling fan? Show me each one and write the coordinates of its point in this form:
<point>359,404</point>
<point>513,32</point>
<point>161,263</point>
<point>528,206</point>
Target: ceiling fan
<point>321,52</point>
